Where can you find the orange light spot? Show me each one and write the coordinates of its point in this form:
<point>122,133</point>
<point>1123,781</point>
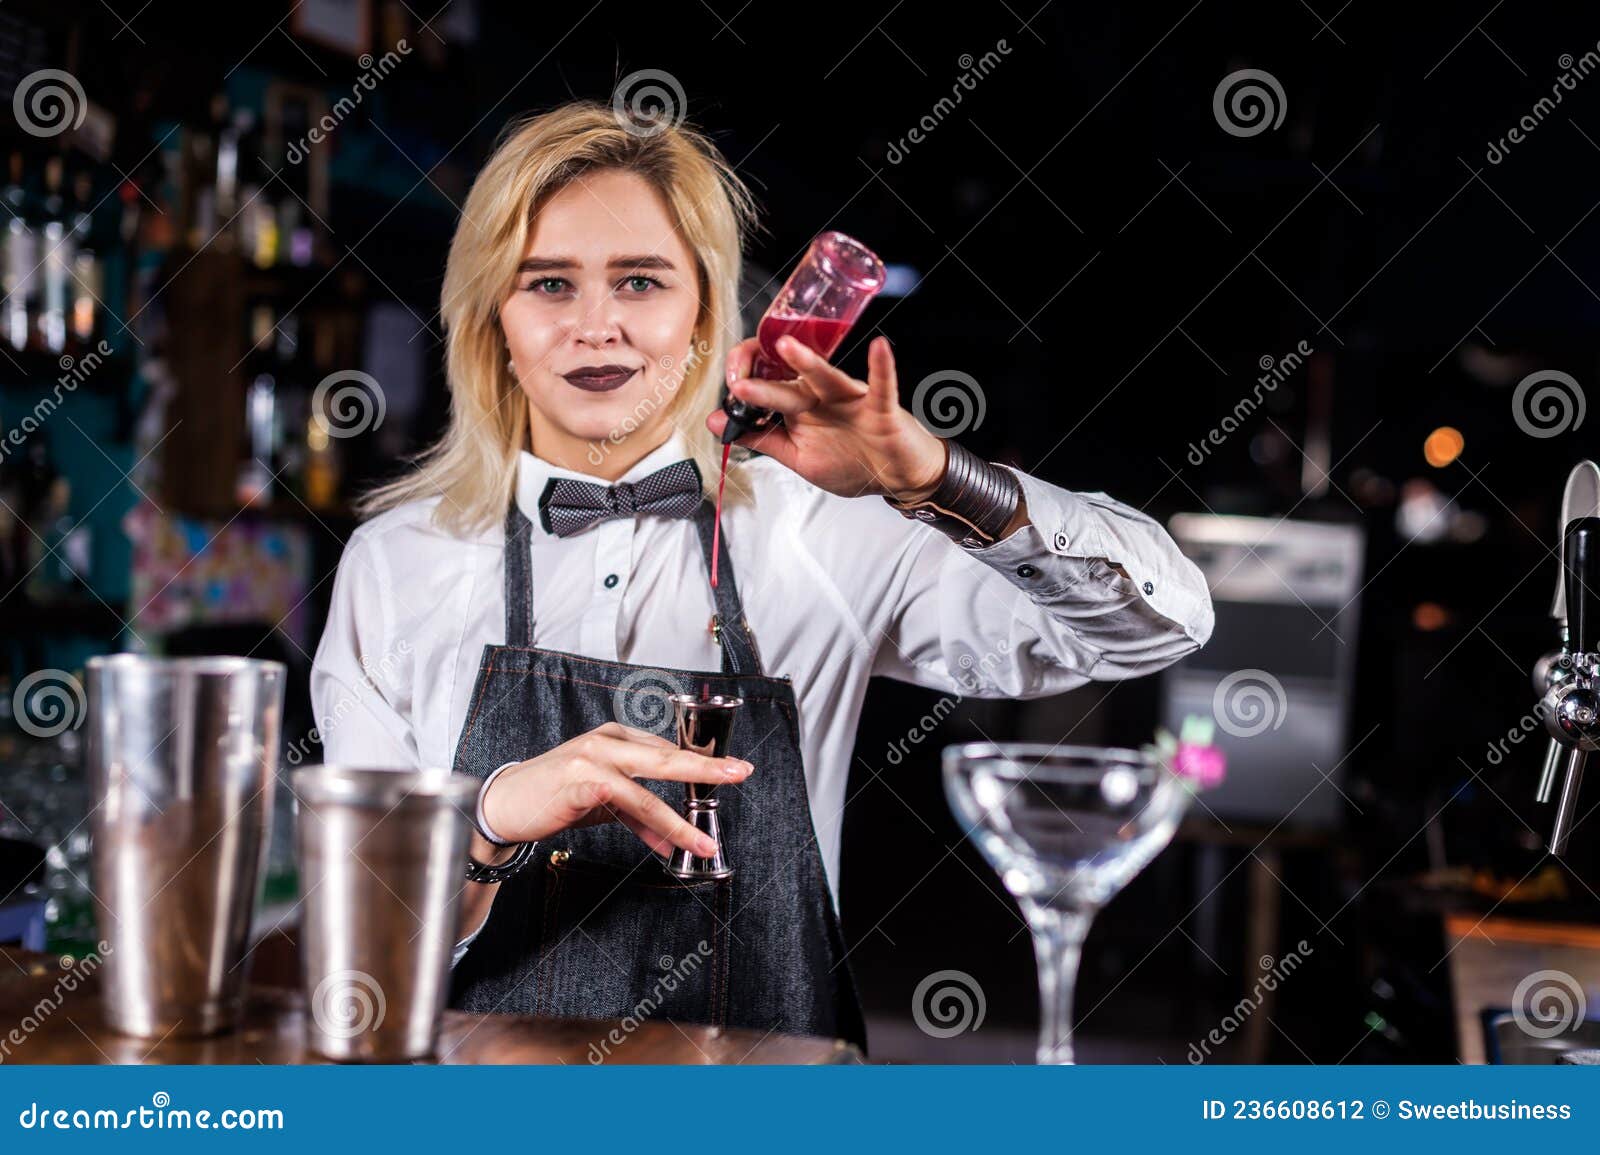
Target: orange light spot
<point>1443,446</point>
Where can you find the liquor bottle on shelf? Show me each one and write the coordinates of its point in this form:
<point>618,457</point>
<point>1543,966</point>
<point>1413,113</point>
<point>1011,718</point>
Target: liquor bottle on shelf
<point>21,280</point>
<point>254,483</point>
<point>88,283</point>
<point>265,240</point>
<point>231,131</point>
<point>323,463</point>
<point>56,263</point>
<point>199,174</point>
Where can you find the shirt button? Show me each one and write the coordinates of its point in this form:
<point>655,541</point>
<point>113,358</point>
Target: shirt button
<point>1026,571</point>
<point>611,581</point>
<point>1149,587</point>
<point>1061,541</point>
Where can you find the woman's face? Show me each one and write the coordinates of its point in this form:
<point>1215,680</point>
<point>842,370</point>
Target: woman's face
<point>606,291</point>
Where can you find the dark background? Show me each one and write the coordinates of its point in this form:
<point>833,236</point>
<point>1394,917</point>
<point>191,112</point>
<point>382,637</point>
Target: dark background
<point>1110,266</point>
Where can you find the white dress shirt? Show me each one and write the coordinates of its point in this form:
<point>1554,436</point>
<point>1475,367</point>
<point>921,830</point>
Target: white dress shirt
<point>835,590</point>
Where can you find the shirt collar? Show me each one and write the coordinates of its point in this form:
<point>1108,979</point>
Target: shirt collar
<point>534,472</point>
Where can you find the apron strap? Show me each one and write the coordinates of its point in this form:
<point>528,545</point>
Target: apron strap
<point>519,578</point>
<point>738,648</point>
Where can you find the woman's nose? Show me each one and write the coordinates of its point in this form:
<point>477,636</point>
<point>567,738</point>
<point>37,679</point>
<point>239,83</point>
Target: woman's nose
<point>599,325</point>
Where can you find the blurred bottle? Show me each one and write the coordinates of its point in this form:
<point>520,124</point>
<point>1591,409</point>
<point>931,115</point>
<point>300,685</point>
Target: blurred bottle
<point>21,280</point>
<point>265,241</point>
<point>51,329</point>
<point>88,284</point>
<point>254,480</point>
<point>323,464</point>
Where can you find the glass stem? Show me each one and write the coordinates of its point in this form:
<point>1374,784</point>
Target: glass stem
<point>1058,936</point>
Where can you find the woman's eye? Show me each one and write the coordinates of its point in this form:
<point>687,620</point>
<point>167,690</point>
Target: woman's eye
<point>547,286</point>
<point>641,284</point>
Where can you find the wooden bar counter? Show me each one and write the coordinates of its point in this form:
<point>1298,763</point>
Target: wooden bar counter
<point>274,1032</point>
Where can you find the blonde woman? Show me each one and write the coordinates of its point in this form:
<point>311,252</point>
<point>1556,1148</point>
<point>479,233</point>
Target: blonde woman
<point>519,603</point>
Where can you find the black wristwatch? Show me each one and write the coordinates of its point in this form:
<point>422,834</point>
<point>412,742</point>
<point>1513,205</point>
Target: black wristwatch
<point>484,872</point>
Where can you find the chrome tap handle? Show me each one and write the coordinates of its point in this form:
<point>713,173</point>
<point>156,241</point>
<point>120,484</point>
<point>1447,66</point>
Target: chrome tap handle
<point>1574,707</point>
<point>1567,808</point>
<point>1580,498</point>
<point>1580,563</point>
<point>1553,757</point>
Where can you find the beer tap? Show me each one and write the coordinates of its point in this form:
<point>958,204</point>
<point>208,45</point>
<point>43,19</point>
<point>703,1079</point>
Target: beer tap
<point>1571,709</point>
<point>1581,498</point>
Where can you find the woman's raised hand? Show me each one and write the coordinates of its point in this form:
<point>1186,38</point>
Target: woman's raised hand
<point>846,436</point>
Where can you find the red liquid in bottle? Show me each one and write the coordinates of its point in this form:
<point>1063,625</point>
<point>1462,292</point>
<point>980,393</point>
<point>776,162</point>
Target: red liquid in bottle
<point>822,334</point>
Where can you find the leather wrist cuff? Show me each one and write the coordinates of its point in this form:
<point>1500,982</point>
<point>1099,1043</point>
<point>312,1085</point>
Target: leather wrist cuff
<point>974,502</point>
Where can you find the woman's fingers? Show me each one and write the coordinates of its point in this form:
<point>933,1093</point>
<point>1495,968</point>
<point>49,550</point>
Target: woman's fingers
<point>741,357</point>
<point>671,764</point>
<point>828,382</point>
<point>647,836</point>
<point>787,397</point>
<point>627,797</point>
<point>644,737</point>
<point>773,441</point>
<point>882,378</point>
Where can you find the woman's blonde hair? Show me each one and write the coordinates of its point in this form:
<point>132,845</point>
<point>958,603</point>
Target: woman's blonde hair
<point>473,465</point>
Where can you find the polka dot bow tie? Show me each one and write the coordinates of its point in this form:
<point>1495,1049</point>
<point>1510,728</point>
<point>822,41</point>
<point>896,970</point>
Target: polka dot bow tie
<point>570,506</point>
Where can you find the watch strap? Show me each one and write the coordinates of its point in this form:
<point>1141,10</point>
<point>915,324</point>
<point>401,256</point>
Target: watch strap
<point>485,872</point>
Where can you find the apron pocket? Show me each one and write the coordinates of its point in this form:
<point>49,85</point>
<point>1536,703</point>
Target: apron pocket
<point>632,944</point>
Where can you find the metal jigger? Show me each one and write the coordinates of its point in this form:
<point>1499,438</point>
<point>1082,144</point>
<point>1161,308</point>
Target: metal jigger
<point>704,726</point>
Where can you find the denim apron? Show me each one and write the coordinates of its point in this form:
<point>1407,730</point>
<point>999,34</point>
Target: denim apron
<point>596,927</point>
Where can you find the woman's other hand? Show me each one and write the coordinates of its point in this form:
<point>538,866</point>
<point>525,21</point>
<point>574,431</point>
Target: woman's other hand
<point>591,779</point>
